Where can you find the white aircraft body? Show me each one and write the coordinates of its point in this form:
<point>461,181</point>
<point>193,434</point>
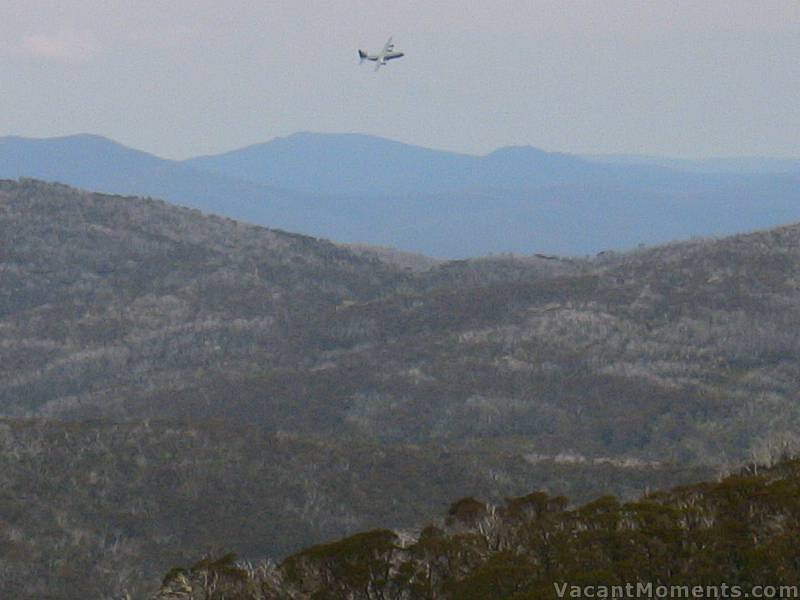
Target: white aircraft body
<point>388,53</point>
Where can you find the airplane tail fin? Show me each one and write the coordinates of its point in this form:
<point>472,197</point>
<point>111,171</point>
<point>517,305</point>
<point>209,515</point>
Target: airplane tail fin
<point>361,55</point>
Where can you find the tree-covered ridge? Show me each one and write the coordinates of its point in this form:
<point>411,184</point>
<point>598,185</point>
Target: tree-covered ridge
<point>740,531</point>
<point>102,294</point>
<point>96,509</point>
<point>129,308</point>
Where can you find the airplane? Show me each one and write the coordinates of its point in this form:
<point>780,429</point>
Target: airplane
<point>388,53</point>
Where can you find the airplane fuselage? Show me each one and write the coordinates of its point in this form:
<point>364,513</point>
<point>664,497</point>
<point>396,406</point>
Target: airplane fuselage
<point>377,57</point>
<point>387,53</point>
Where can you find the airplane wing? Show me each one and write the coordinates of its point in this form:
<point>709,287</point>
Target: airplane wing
<point>387,49</point>
<point>387,53</point>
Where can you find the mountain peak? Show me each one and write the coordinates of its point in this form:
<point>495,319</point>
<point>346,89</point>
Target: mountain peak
<point>521,150</point>
<point>534,154</point>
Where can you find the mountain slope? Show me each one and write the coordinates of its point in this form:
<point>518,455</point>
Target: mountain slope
<point>162,371</point>
<point>95,282</point>
<point>97,509</point>
<point>124,308</point>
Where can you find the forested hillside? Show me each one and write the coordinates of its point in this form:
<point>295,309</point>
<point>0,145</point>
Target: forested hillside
<point>122,308</point>
<point>104,293</point>
<point>731,538</point>
<point>172,381</point>
<point>100,509</point>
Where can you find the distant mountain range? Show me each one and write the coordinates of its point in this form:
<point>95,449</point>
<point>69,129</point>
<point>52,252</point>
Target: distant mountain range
<point>719,165</point>
<point>363,189</point>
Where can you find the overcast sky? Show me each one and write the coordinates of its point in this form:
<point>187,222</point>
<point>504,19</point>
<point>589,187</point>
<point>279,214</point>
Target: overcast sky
<point>181,78</point>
